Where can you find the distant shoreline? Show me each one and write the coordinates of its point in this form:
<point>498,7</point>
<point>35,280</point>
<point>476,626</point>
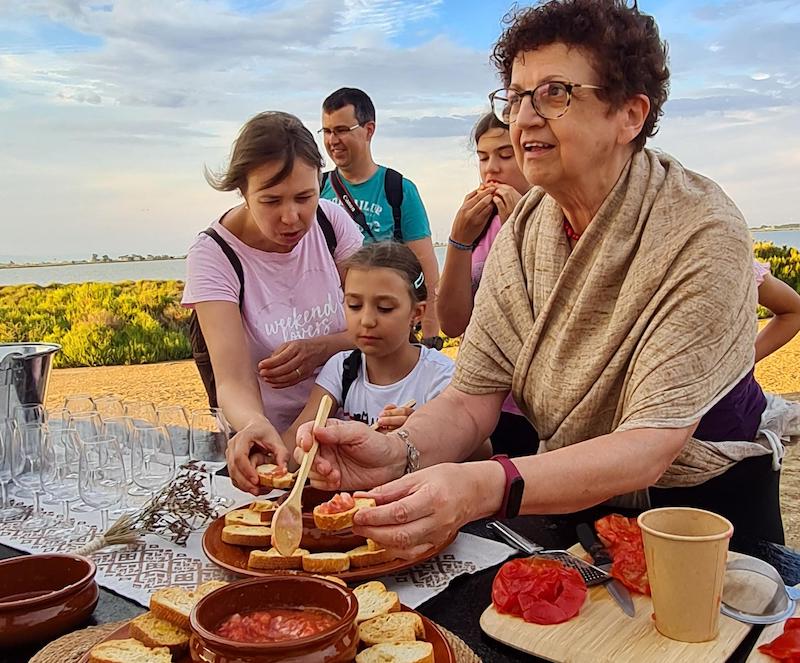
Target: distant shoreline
<point>67,263</point>
<point>770,229</point>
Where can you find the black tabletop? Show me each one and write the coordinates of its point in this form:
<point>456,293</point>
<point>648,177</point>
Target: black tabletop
<point>459,607</point>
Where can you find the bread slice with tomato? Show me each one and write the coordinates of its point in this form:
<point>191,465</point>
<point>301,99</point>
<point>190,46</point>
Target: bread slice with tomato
<point>337,513</point>
<point>272,476</point>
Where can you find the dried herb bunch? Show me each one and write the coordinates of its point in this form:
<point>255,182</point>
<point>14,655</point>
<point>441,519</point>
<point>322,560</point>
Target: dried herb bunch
<point>179,509</point>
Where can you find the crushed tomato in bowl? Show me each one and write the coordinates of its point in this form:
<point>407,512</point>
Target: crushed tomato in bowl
<point>276,625</point>
<point>541,591</point>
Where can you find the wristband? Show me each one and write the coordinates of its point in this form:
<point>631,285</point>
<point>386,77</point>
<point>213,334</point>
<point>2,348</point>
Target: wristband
<point>459,245</point>
<point>515,486</point>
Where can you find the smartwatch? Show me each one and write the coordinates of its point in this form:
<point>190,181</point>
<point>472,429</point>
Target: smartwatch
<point>515,486</point>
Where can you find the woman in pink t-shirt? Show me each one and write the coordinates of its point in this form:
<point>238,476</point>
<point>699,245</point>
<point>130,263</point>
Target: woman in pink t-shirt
<point>266,354</point>
<point>477,223</point>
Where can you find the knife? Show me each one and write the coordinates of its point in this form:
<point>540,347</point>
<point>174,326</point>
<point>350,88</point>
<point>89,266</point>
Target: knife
<point>602,559</point>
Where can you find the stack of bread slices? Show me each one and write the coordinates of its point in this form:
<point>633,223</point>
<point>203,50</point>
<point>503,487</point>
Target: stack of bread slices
<point>388,635</point>
<point>159,635</point>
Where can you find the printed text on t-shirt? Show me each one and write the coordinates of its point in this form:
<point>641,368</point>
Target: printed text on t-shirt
<point>314,321</point>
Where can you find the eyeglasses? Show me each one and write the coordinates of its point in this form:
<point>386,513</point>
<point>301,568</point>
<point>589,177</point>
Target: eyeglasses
<point>550,100</point>
<point>338,131</point>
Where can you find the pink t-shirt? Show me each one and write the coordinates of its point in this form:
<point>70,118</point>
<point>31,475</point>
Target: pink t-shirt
<point>287,296</point>
<point>479,255</point>
<point>760,271</point>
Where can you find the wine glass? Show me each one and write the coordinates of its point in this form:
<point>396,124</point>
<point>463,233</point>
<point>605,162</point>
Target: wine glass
<point>101,474</point>
<point>57,455</point>
<point>30,413</point>
<point>88,423</point>
<point>7,511</point>
<point>142,412</point>
<point>26,463</point>
<point>176,422</point>
<point>152,458</point>
<point>79,403</point>
<point>208,439</point>
<point>109,405</point>
<point>121,428</point>
<point>25,457</point>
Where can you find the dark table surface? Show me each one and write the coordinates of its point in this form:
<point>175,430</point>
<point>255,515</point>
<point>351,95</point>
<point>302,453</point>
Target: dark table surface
<point>459,607</point>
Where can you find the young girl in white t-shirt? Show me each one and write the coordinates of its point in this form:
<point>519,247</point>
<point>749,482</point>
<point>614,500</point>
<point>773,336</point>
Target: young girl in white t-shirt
<point>384,298</point>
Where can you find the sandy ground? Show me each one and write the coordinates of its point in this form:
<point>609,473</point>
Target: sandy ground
<point>179,383</point>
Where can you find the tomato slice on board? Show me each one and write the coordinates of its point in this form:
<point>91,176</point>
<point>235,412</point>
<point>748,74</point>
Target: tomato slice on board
<point>541,591</point>
<point>623,538</point>
<point>786,647</point>
<point>338,504</point>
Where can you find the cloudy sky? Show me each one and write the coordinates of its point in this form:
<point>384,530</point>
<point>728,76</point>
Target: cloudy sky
<point>109,109</point>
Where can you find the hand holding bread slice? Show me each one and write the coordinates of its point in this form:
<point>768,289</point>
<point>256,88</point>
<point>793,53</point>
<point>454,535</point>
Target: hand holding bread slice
<point>337,513</point>
<point>272,476</point>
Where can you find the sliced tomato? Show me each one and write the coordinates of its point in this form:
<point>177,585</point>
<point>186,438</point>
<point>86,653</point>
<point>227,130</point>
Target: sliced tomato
<point>338,504</point>
<point>623,538</point>
<point>786,647</point>
<point>541,591</point>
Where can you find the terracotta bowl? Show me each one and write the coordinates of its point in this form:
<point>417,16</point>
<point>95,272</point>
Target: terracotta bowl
<point>335,645</point>
<point>43,596</point>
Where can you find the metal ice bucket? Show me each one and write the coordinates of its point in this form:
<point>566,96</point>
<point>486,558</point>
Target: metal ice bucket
<point>24,372</point>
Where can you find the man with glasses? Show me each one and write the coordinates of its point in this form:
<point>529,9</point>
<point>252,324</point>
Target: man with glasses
<point>384,204</point>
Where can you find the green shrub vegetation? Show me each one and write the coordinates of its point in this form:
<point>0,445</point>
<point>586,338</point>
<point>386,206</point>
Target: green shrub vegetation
<point>104,324</point>
<point>99,324</point>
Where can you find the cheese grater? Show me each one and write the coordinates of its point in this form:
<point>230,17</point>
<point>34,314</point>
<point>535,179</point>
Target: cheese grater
<point>591,574</point>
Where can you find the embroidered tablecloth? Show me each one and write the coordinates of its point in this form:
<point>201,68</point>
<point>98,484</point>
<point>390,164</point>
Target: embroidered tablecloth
<point>136,571</point>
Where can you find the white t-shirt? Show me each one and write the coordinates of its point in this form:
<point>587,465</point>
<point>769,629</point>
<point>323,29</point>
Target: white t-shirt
<point>365,401</point>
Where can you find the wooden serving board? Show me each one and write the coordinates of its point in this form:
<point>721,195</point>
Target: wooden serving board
<point>602,633</point>
<point>768,635</point>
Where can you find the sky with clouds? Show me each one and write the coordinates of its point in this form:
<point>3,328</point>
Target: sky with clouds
<point>110,109</point>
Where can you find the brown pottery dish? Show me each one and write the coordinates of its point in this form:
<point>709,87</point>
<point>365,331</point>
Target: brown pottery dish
<point>43,596</point>
<point>336,644</point>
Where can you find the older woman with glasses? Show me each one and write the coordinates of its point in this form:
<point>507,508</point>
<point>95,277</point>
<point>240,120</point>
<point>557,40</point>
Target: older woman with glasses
<point>617,305</point>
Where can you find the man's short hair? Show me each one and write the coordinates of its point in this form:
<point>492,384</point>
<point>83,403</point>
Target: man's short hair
<point>351,96</point>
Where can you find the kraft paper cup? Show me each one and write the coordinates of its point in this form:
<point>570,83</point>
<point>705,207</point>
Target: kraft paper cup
<point>686,551</point>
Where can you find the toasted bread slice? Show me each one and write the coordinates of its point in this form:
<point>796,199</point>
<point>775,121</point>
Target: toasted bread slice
<point>363,556</point>
<point>128,651</point>
<point>244,517</point>
<point>153,631</point>
<point>374,600</point>
<point>332,522</point>
<point>207,587</point>
<point>392,627</point>
<point>268,479</point>
<point>246,535</point>
<point>174,604</point>
<point>272,559</point>
<point>397,652</point>
<point>331,562</point>
<point>265,509</point>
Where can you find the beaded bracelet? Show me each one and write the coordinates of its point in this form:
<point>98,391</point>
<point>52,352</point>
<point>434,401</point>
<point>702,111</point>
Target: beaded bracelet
<point>459,245</point>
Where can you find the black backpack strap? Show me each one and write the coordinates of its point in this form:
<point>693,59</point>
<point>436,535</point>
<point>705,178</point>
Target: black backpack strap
<point>355,212</point>
<point>393,189</point>
<point>350,370</point>
<point>232,257</point>
<point>327,230</point>
<point>323,180</point>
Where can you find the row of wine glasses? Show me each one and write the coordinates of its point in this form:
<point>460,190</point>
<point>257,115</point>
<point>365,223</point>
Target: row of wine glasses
<point>150,442</point>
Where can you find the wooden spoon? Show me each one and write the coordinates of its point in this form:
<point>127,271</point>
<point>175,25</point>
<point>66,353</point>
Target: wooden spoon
<point>287,523</point>
<point>410,403</point>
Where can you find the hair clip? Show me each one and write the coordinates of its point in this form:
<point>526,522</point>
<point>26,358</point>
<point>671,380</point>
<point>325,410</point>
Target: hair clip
<point>420,280</point>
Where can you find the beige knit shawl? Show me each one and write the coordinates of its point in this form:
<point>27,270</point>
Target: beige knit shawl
<point>646,323</point>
